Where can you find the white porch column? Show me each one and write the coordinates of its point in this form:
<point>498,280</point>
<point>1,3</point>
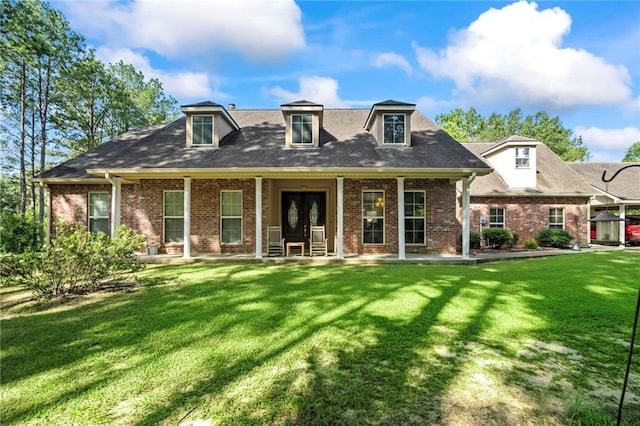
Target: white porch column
<point>186,250</point>
<point>258,217</point>
<point>622,223</point>
<point>401,239</point>
<point>466,221</point>
<point>340,219</point>
<point>116,202</point>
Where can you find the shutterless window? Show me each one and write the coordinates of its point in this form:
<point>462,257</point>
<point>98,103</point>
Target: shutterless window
<point>99,212</point>
<point>496,218</point>
<point>556,218</point>
<point>414,217</point>
<point>201,129</point>
<point>522,158</point>
<point>301,129</point>
<point>231,217</point>
<point>373,217</point>
<point>174,216</point>
<point>393,128</point>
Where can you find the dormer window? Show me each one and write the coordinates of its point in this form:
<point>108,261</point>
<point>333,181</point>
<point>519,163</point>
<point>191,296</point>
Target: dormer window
<point>302,129</point>
<point>394,128</point>
<point>303,121</point>
<point>522,157</point>
<point>201,129</point>
<point>390,123</point>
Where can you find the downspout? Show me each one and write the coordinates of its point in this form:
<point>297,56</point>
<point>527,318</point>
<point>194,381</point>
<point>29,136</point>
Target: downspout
<point>466,201</point>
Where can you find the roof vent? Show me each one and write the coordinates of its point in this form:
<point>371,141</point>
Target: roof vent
<point>231,107</point>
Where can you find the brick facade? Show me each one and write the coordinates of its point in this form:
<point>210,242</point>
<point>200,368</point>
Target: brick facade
<point>527,215</point>
<point>142,210</point>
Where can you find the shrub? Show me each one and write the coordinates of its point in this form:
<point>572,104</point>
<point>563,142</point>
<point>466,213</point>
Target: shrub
<point>497,237</point>
<point>78,261</point>
<point>474,239</point>
<point>530,244</point>
<point>554,238</point>
<point>20,234</point>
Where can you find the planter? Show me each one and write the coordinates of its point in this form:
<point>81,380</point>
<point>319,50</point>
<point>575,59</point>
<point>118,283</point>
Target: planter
<point>174,248</point>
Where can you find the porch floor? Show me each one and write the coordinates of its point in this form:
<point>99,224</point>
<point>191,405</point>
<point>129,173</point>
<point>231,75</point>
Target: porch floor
<point>436,259</point>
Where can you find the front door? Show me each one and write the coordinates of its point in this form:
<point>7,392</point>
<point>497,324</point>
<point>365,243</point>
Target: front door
<point>300,210</point>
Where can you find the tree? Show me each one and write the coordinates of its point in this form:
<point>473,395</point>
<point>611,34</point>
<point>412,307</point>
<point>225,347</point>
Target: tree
<point>470,126</point>
<point>633,153</point>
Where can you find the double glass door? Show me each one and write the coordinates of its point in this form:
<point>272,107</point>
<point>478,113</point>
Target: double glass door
<point>300,211</point>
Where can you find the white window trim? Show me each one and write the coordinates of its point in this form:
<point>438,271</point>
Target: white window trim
<point>89,217</point>
<point>213,119</point>
<point>293,142</point>
<point>504,218</point>
<point>404,138</point>
<point>365,216</point>
<point>522,157</point>
<point>424,218</point>
<point>164,217</point>
<point>233,217</point>
<point>563,217</point>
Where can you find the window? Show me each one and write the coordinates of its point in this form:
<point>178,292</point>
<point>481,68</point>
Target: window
<point>414,217</point>
<point>496,217</point>
<point>393,128</point>
<point>99,212</point>
<point>556,218</point>
<point>301,129</point>
<point>373,217</point>
<point>174,216</point>
<point>231,217</point>
<point>522,158</point>
<point>202,130</point>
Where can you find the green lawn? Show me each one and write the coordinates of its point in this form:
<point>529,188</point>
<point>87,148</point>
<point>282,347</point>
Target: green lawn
<point>541,341</point>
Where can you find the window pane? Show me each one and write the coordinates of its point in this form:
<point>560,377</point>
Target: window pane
<point>373,231</point>
<point>302,129</point>
<point>231,230</point>
<point>99,225</point>
<point>496,218</point>
<point>202,129</point>
<point>174,203</point>
<point>98,204</point>
<point>173,230</point>
<point>393,128</point>
<point>231,203</point>
<point>414,231</point>
<point>373,203</point>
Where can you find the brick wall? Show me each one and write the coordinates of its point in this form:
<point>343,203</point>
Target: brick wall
<point>442,225</point>
<point>527,215</point>
<point>142,210</point>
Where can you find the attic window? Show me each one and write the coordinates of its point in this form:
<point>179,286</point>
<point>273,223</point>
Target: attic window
<point>393,128</point>
<point>522,158</point>
<point>201,129</point>
<point>301,129</point>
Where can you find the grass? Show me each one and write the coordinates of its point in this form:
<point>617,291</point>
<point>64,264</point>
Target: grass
<point>540,341</point>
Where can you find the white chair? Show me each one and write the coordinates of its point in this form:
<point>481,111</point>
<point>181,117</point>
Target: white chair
<point>318,241</point>
<point>275,242</point>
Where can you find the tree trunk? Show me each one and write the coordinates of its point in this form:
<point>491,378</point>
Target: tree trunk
<point>23,140</point>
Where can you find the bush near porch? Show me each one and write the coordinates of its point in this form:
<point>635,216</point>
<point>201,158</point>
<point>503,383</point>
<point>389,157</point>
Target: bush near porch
<point>541,341</point>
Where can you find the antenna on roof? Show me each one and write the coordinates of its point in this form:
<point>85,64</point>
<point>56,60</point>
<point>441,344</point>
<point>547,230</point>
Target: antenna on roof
<point>231,107</point>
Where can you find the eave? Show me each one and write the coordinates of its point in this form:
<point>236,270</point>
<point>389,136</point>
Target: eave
<point>290,172</point>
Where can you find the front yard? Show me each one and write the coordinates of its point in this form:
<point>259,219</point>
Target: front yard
<point>540,341</point>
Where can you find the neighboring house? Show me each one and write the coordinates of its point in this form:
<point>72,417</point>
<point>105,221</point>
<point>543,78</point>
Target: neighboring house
<point>620,195</point>
<point>381,180</point>
<point>531,189</point>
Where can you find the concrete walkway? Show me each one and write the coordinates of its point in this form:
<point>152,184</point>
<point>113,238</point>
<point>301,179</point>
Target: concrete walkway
<point>426,259</point>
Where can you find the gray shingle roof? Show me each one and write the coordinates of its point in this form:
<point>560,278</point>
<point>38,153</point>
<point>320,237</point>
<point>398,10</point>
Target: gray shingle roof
<point>625,185</point>
<point>554,176</point>
<point>260,143</point>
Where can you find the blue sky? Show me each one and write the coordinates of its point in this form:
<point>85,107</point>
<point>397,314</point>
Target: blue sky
<point>577,60</point>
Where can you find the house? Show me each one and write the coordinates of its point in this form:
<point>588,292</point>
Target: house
<point>531,189</point>
<point>380,180</point>
<point>621,194</point>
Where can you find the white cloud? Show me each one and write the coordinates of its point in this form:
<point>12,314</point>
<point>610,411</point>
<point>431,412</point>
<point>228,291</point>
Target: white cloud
<point>182,85</point>
<point>608,144</point>
<point>260,30</point>
<point>321,90</point>
<point>392,60</point>
<point>515,53</point>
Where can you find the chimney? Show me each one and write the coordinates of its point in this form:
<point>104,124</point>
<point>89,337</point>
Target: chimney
<point>231,107</point>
